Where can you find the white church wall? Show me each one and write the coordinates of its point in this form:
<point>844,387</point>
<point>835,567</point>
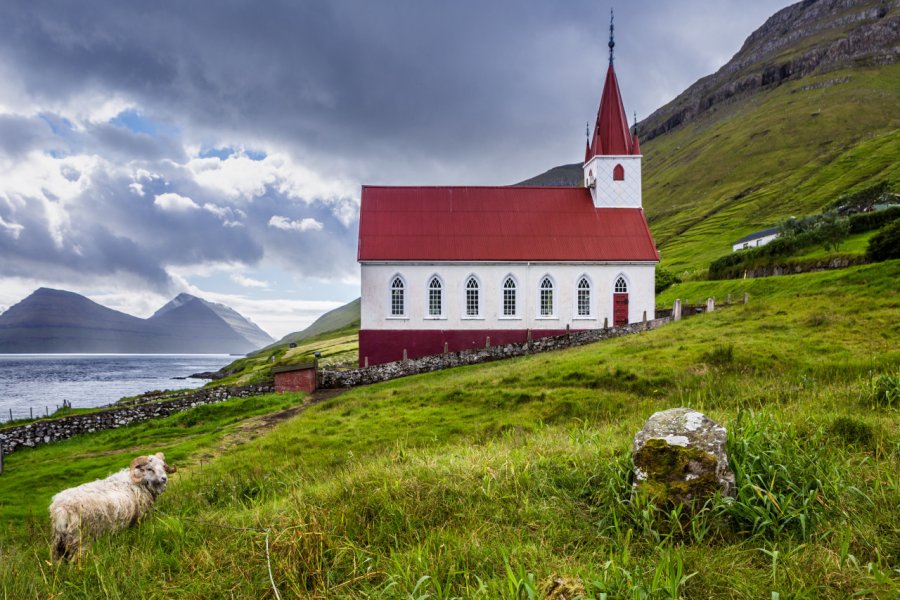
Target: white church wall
<point>376,294</point>
<point>608,193</point>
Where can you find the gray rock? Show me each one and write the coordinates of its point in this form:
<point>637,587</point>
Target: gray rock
<point>680,458</point>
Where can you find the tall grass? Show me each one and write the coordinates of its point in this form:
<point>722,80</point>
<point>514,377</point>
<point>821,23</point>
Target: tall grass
<point>514,479</point>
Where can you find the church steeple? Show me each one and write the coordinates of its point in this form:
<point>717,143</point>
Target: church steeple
<point>612,160</point>
<point>612,135</point>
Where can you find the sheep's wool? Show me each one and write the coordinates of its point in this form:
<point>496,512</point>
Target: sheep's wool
<point>104,505</point>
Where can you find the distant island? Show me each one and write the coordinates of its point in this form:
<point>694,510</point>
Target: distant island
<point>57,321</point>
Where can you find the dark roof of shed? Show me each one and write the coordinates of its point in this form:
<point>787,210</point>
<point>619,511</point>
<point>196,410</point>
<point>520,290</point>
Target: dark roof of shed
<point>757,234</point>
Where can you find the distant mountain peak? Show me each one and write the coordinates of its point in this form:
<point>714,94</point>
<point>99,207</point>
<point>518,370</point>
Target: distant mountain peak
<point>240,325</point>
<point>51,320</point>
<point>176,302</point>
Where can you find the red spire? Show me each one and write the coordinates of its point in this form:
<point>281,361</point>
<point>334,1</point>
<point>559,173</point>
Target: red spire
<point>636,145</point>
<point>611,133</point>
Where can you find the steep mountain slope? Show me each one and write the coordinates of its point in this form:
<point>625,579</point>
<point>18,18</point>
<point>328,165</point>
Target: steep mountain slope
<point>59,321</point>
<point>342,317</point>
<point>807,110</point>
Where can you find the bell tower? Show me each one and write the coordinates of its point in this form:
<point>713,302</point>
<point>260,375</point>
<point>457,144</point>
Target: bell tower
<point>612,161</point>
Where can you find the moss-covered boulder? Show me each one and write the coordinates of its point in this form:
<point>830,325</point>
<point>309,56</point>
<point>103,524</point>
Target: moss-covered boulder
<point>679,458</point>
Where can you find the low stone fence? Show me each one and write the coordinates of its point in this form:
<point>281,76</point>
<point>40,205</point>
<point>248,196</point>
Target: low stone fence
<point>52,430</point>
<point>436,362</point>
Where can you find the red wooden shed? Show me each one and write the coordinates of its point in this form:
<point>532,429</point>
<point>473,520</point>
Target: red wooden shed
<point>296,378</point>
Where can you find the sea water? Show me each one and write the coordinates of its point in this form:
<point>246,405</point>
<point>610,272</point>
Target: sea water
<point>39,383</point>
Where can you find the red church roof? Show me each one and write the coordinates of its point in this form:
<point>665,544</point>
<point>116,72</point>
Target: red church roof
<point>498,223</point>
<point>611,133</point>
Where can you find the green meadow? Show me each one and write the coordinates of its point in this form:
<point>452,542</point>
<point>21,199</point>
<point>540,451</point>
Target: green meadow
<point>790,151</point>
<point>513,479</point>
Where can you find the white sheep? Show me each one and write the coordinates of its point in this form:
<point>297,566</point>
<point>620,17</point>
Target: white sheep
<point>119,501</point>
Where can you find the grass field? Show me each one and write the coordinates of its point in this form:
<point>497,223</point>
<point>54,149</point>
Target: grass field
<point>496,481</point>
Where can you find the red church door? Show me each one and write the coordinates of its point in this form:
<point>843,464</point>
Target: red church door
<point>620,309</point>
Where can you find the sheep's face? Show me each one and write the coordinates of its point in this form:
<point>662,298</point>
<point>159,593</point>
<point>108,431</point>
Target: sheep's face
<point>151,471</point>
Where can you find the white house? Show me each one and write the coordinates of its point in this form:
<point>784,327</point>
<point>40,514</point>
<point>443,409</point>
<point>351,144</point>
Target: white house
<point>460,267</point>
<point>758,238</point>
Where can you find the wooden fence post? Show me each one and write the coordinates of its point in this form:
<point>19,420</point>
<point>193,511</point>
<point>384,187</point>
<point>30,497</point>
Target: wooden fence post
<point>1,458</point>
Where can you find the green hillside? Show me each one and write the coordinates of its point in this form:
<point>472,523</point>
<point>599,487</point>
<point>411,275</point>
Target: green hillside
<point>788,151</point>
<point>495,481</point>
<point>808,110</point>
<point>342,317</point>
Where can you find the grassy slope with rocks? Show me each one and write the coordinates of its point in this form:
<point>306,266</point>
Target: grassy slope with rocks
<point>496,480</point>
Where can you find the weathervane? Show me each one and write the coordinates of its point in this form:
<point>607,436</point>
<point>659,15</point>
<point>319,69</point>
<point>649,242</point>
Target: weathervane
<point>612,42</point>
<point>635,122</point>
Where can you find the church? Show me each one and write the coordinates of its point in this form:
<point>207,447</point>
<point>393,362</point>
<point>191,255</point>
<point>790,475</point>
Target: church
<point>455,268</point>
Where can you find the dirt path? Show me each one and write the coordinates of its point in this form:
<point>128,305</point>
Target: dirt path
<point>253,427</point>
<point>239,433</point>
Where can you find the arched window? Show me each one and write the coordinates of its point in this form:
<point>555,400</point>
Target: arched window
<point>584,297</point>
<point>435,298</point>
<point>621,286</point>
<point>472,304</point>
<point>546,297</point>
<point>398,297</point>
<point>509,297</point>
<point>618,173</point>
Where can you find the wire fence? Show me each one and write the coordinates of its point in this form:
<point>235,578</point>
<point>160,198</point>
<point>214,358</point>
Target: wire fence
<point>31,413</point>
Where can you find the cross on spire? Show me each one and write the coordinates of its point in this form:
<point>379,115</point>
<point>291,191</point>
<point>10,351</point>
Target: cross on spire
<point>612,41</point>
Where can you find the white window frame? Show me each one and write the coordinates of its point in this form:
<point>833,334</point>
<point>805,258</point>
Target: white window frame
<point>591,315</point>
<point>624,280</point>
<point>554,299</point>
<point>465,298</point>
<point>442,298</point>
<point>516,316</point>
<point>390,297</point>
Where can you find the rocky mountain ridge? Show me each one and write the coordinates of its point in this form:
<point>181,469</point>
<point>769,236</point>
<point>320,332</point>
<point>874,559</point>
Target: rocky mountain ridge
<point>813,36</point>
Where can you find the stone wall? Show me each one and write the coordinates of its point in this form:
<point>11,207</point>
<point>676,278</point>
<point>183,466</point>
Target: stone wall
<point>426,364</point>
<point>812,266</point>
<point>52,430</point>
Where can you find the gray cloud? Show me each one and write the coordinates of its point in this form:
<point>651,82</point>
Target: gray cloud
<point>407,90</point>
<point>398,92</point>
<point>19,135</point>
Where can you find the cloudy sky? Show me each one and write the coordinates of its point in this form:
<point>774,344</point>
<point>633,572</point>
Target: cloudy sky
<point>218,147</point>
